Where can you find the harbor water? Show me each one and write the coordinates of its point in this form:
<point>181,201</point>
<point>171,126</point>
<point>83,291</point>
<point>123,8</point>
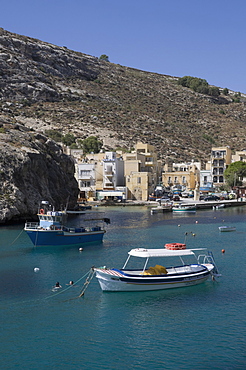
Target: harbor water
<point>200,327</point>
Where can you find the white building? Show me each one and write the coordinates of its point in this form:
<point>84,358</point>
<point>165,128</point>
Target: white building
<point>86,177</point>
<point>113,171</point>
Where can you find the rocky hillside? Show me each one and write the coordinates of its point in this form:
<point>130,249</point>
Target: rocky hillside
<point>44,87</point>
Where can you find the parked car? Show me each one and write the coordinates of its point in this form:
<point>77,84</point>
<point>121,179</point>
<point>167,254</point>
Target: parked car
<point>176,198</point>
<point>164,200</point>
<point>211,197</point>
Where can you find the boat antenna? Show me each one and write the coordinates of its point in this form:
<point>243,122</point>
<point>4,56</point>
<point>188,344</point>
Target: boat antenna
<point>67,203</point>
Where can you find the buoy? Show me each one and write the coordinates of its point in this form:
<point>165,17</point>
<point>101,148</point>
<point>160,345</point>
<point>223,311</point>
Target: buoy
<point>178,225</point>
<point>222,250</point>
<point>196,222</point>
<point>36,269</point>
<point>193,234</point>
<point>80,249</point>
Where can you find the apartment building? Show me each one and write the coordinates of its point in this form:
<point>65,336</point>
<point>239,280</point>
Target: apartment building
<point>220,160</point>
<point>239,156</point>
<point>142,171</point>
<point>184,175</point>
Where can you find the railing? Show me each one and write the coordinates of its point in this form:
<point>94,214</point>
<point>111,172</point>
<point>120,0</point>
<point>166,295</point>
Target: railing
<point>31,225</point>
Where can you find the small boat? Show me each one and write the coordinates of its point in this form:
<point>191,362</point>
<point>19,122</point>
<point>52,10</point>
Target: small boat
<point>161,209</point>
<point>226,228</point>
<point>184,208</point>
<point>52,230</point>
<point>159,277</point>
<point>219,206</point>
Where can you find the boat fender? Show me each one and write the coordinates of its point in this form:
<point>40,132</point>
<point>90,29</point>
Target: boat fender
<point>41,211</point>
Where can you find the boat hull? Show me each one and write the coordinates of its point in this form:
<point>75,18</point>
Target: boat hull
<point>59,238</point>
<point>184,209</point>
<point>117,282</point>
<point>226,229</point>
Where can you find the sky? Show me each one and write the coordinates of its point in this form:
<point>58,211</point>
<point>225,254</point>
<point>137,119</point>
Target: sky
<point>198,38</point>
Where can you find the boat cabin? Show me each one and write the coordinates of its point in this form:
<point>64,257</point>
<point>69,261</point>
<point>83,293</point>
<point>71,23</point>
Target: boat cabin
<point>50,218</point>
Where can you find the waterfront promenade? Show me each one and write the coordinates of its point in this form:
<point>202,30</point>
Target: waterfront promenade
<point>200,204</point>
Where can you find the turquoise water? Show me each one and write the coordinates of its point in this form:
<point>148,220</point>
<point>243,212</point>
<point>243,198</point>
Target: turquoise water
<point>201,327</point>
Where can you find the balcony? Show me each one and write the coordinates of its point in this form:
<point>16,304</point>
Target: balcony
<point>109,173</point>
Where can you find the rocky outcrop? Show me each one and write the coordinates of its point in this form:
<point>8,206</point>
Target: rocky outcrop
<point>32,168</point>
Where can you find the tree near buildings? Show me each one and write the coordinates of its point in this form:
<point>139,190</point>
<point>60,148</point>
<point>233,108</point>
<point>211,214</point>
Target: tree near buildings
<point>235,173</point>
<point>91,144</point>
<point>68,139</point>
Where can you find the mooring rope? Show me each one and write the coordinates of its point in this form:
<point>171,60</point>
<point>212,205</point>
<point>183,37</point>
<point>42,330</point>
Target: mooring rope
<point>54,295</point>
<point>87,282</point>
<point>70,286</point>
<point>17,237</point>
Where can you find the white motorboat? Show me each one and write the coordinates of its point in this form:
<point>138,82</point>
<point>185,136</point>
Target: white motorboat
<point>159,277</point>
<point>161,209</point>
<point>184,208</point>
<point>226,228</point>
<point>219,206</point>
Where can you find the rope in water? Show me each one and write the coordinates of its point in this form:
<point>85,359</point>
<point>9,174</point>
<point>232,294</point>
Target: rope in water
<point>87,282</point>
<point>59,291</point>
<point>17,237</point>
<point>70,286</point>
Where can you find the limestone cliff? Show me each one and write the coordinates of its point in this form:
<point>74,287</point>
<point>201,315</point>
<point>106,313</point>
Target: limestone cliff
<point>32,168</point>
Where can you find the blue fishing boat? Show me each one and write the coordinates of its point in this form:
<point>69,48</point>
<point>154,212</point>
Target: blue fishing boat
<point>52,230</point>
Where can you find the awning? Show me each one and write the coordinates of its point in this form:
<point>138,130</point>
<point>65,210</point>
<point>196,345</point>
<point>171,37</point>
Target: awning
<point>145,253</point>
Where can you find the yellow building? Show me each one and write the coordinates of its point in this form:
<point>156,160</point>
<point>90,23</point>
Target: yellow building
<point>183,175</point>
<point>142,171</point>
<point>239,156</point>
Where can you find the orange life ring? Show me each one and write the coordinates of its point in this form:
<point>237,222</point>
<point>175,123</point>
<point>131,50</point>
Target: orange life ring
<point>41,211</point>
<point>175,246</point>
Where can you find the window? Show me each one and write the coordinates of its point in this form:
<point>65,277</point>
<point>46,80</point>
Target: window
<point>215,179</point>
<point>205,180</point>
<point>84,173</point>
<point>169,180</point>
<point>85,184</point>
<point>215,162</point>
<point>221,171</point>
<point>221,162</point>
<point>149,159</point>
<point>139,180</point>
<point>221,179</point>
<point>183,179</point>
<point>175,179</point>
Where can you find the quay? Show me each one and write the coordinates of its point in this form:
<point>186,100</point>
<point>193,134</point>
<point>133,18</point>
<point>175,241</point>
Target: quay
<point>200,204</point>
